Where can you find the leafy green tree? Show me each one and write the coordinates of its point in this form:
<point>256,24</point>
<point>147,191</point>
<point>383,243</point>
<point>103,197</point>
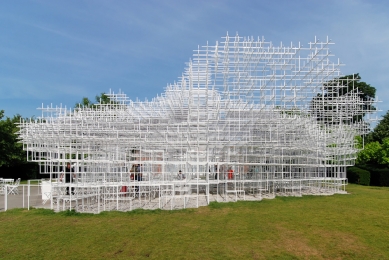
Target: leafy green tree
<point>324,104</point>
<point>370,154</point>
<point>384,152</point>
<point>358,142</point>
<point>100,99</point>
<point>375,153</point>
<point>350,82</point>
<point>103,99</point>
<point>381,130</point>
<point>11,151</point>
<point>85,102</point>
<point>13,160</point>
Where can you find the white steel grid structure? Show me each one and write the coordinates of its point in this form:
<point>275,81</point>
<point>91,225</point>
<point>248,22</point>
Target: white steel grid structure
<point>247,120</point>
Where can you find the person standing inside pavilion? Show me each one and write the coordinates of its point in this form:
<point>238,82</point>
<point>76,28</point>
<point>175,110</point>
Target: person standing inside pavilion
<point>68,178</point>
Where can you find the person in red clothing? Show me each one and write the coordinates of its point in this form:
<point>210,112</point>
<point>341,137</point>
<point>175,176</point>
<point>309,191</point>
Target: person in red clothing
<point>230,173</point>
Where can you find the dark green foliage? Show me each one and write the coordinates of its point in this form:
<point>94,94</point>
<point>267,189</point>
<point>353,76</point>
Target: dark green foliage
<point>375,155</point>
<point>11,152</point>
<point>379,174</point>
<point>381,131</point>
<point>85,102</point>
<point>336,88</point>
<point>370,155</point>
<point>358,176</point>
<point>13,160</point>
<point>367,92</point>
<point>384,178</point>
<point>380,177</point>
<point>100,99</point>
<point>352,176</point>
<point>375,158</point>
<point>24,170</point>
<point>346,84</point>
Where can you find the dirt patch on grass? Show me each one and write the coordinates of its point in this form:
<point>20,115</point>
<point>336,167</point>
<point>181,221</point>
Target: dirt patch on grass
<point>340,245</point>
<point>297,244</point>
<point>323,244</point>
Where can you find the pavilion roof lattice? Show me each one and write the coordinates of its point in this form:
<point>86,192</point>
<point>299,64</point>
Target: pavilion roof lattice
<point>243,103</point>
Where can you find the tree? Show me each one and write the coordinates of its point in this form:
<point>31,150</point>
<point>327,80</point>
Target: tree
<point>375,153</point>
<point>11,152</point>
<point>341,98</point>
<point>100,99</point>
<point>370,154</point>
<point>13,160</point>
<point>85,102</point>
<point>384,153</point>
<point>381,130</point>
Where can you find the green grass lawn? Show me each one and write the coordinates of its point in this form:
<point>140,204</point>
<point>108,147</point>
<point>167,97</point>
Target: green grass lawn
<point>352,226</point>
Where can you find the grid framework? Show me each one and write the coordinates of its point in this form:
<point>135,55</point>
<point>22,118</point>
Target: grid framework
<point>246,120</point>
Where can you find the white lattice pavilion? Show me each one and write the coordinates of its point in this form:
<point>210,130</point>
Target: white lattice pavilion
<point>242,104</point>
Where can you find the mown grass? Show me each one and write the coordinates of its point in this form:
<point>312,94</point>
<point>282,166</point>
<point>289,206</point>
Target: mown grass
<point>353,226</point>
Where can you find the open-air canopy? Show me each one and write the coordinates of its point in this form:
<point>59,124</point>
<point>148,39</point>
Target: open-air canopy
<point>273,115</point>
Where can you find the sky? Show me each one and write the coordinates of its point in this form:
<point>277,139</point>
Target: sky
<point>57,52</point>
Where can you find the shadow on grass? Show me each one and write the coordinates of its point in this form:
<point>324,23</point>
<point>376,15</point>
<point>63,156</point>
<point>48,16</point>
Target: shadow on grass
<point>73,213</point>
<point>238,204</point>
<point>212,206</point>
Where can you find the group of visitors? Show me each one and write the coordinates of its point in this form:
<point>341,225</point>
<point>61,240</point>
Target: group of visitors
<point>229,174</point>
<point>136,174</point>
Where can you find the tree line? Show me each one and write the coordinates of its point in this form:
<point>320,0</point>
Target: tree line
<point>13,159</point>
<point>372,164</point>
